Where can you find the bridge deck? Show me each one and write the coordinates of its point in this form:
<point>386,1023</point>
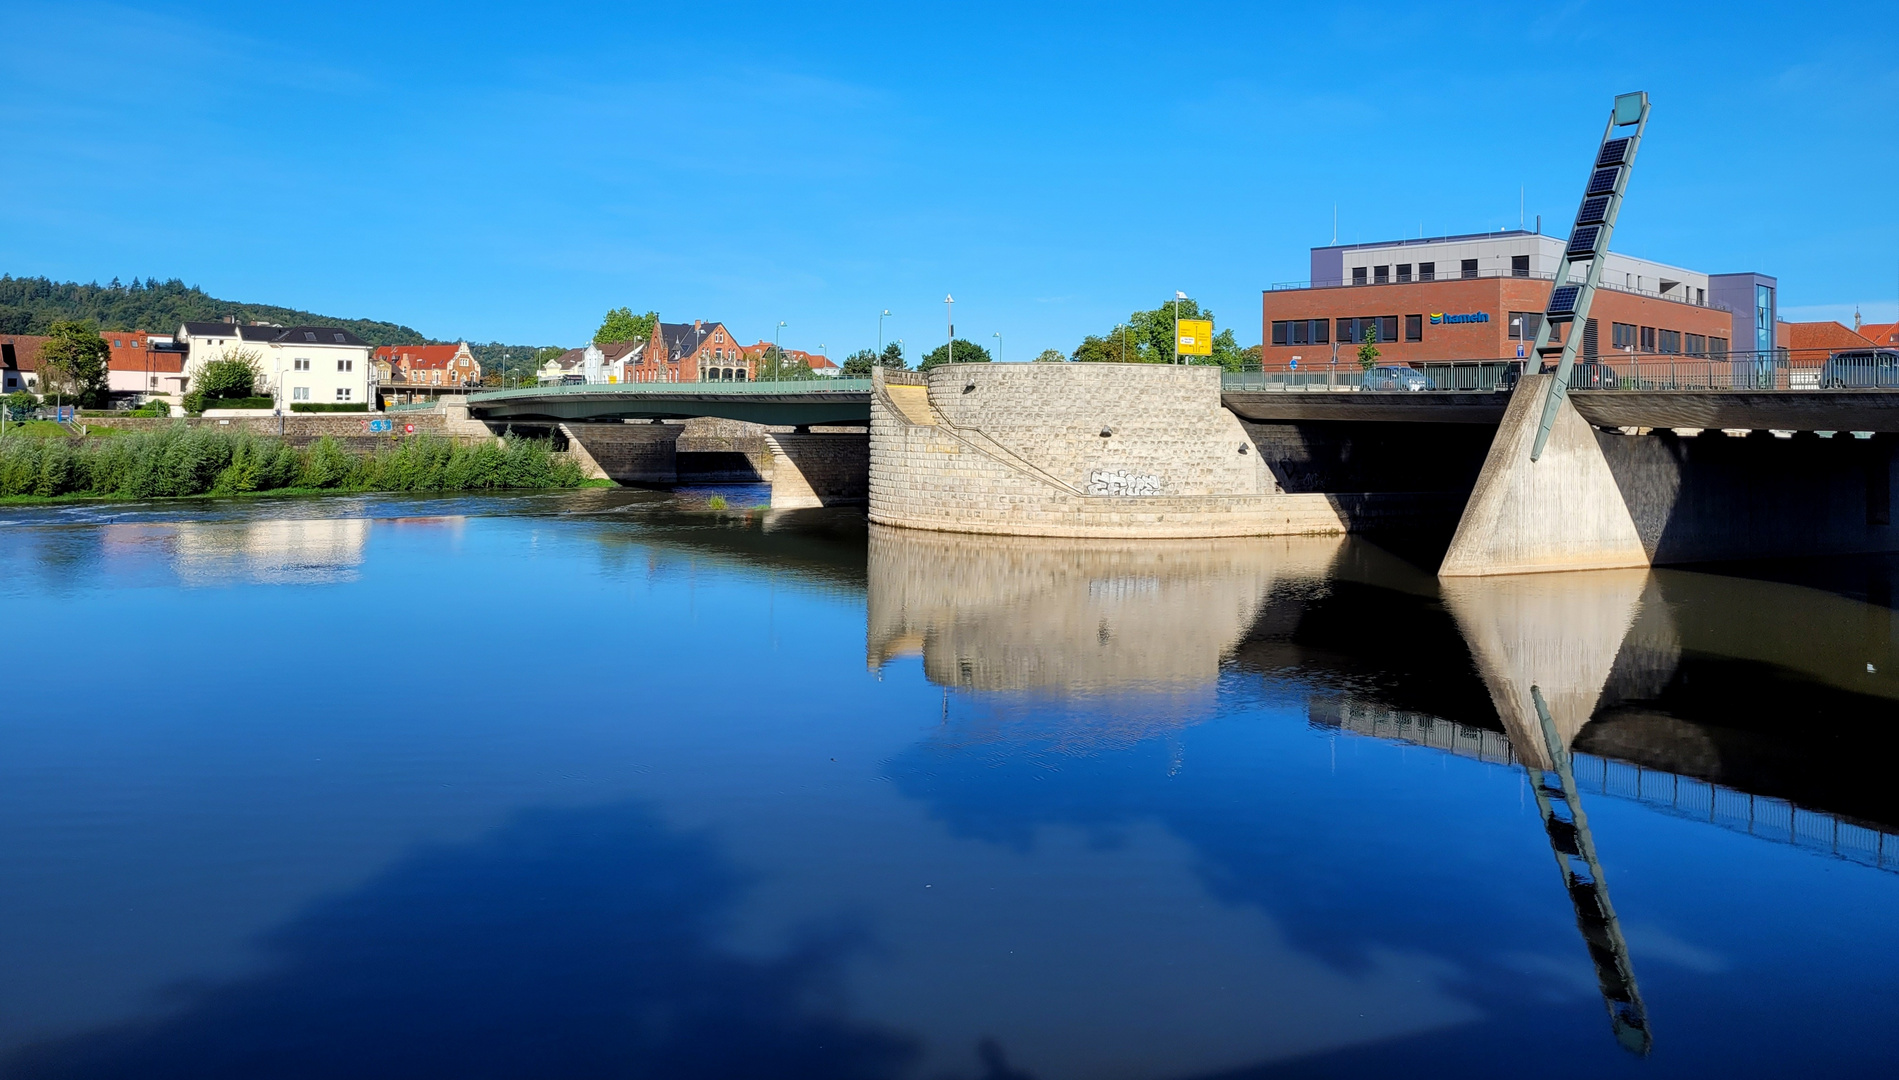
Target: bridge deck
<point>805,402</point>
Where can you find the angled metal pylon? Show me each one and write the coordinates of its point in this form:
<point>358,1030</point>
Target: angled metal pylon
<point>1560,805</point>
<point>1588,243</point>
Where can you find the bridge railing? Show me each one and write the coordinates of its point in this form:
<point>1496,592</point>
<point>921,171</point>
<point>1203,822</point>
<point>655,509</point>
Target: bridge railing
<point>814,384</point>
<point>1868,369</point>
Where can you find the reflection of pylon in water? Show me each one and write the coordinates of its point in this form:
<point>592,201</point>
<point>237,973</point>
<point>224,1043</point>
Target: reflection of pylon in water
<point>1568,828</point>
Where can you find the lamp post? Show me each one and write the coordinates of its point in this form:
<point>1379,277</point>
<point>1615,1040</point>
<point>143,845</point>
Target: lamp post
<point>1178,297</point>
<point>777,352</point>
<point>880,332</point>
<point>998,336</point>
<point>949,320</point>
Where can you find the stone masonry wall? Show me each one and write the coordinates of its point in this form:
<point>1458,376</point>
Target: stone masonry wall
<point>1018,449</point>
<point>819,469</point>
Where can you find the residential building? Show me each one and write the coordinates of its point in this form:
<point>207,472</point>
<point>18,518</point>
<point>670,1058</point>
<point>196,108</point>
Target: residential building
<point>1885,334</point>
<point>143,365</point>
<point>421,370</point>
<point>1815,341</point>
<point>20,362</point>
<point>614,362</point>
<point>299,364</point>
<point>817,362</point>
<point>1481,297</point>
<point>698,351</point>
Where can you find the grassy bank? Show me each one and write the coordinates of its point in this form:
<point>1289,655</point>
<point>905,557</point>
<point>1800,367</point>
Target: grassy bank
<point>183,461</point>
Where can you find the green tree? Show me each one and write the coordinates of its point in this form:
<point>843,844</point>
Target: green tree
<point>233,374</point>
<point>622,325</point>
<point>893,356</point>
<point>1050,356</point>
<point>858,364</point>
<point>775,364</point>
<point>73,363</point>
<point>963,352</point>
<point>1368,352</point>
<point>1115,347</point>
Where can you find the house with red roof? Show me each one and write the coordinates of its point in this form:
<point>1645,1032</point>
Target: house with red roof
<point>142,365</point>
<point>406,371</point>
<point>20,362</point>
<point>1813,342</point>
<point>1886,334</point>
<point>819,363</point>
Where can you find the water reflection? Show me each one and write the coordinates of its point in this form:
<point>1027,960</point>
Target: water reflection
<point>272,552</point>
<point>1075,616</point>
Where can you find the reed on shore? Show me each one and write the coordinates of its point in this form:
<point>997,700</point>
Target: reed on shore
<point>182,461</point>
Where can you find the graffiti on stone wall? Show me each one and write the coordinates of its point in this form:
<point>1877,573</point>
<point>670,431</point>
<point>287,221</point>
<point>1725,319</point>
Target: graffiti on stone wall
<point>1122,482</point>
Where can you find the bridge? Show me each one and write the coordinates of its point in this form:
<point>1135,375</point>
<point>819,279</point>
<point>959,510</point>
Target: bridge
<point>791,403</point>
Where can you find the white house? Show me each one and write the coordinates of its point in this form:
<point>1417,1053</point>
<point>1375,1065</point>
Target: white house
<point>300,364</point>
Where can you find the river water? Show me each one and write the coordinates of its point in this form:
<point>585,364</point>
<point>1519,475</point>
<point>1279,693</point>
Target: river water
<point>614,783</point>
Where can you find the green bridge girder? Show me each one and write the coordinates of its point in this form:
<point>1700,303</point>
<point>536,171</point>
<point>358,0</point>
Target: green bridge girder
<point>800,403</point>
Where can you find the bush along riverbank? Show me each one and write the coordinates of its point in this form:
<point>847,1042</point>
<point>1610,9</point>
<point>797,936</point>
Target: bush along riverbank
<point>183,461</point>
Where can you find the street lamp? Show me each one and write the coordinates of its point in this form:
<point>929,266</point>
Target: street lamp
<point>949,320</point>
<point>777,351</point>
<point>880,331</point>
<point>998,336</point>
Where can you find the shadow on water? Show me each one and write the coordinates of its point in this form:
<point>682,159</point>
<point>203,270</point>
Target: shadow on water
<point>570,943</point>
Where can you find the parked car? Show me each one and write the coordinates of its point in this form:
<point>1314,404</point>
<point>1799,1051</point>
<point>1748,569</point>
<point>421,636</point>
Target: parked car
<point>1862,368</point>
<point>1394,377</point>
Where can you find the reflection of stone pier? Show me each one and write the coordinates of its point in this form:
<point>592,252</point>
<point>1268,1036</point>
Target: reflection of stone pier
<point>1077,616</point>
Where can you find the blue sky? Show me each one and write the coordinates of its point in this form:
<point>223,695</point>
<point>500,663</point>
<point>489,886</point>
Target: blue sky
<point>504,172</point>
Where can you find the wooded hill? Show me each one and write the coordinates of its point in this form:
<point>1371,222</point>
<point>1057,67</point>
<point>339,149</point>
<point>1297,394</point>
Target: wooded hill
<point>31,305</point>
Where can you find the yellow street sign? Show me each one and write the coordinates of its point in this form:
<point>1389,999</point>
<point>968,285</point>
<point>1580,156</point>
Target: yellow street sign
<point>1196,337</point>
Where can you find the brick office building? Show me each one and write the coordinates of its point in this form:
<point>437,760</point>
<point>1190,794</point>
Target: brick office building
<point>1481,297</point>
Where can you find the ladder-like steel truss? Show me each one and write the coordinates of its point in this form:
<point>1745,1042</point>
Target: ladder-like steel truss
<point>1588,243</point>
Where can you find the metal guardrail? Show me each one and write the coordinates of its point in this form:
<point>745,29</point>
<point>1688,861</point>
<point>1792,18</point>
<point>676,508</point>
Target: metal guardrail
<point>1645,372</point>
<point>1762,816</point>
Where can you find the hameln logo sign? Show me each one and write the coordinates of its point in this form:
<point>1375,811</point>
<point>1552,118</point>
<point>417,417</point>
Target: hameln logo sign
<point>1474,317</point>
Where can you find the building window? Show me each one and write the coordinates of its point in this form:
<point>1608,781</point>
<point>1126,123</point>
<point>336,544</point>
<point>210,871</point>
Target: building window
<point>1404,272</point>
<point>1381,275</point>
<point>1668,341</point>
<point>1697,345</point>
<point>1701,297</point>
<point>1648,339</point>
<point>1717,346</point>
<point>301,393</point>
<point>1519,266</point>
<point>1427,271</point>
<point>342,393</point>
<point>300,364</point>
<point>1387,327</point>
<point>1470,268</point>
<point>1622,336</point>
<point>1358,275</point>
<point>1413,326</point>
<point>1300,331</point>
<point>1525,324</point>
<point>346,365</point>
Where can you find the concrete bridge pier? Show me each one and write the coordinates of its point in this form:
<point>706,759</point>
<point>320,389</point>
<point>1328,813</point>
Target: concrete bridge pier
<point>1641,493</point>
<point>1562,512</point>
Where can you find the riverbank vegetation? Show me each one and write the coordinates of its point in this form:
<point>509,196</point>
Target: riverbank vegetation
<point>183,461</point>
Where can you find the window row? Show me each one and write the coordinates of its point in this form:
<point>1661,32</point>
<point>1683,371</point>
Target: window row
<point>302,393</point>
<point>1427,271</point>
<point>1628,337</point>
<point>1380,328</point>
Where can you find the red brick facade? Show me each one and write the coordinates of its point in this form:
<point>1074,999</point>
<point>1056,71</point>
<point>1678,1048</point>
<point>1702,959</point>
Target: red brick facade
<point>1412,304</point>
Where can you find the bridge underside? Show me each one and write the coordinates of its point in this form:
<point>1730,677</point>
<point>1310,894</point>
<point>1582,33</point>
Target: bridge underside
<point>1780,410</point>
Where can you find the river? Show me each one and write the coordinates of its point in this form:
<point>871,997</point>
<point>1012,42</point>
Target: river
<point>618,783</point>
